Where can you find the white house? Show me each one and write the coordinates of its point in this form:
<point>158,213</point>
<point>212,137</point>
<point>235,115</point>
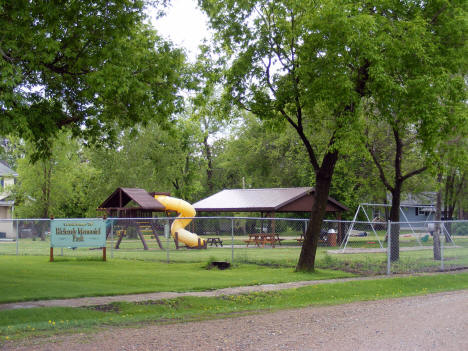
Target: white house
<point>7,180</point>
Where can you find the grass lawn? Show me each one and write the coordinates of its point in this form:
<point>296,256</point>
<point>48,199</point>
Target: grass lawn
<point>285,256</point>
<point>26,278</point>
<point>40,321</point>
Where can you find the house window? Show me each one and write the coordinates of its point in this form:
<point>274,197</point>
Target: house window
<point>1,182</point>
<point>416,210</point>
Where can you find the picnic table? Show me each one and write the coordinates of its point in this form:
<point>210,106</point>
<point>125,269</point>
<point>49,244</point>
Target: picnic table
<point>262,239</point>
<point>214,241</point>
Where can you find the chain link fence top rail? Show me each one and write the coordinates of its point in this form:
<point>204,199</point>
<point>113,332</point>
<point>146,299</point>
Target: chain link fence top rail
<point>366,248</point>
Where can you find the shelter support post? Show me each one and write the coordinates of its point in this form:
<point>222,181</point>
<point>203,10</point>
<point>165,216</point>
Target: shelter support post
<point>273,222</point>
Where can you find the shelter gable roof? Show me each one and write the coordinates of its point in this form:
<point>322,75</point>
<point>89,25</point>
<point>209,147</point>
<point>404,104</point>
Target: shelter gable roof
<point>253,200</point>
<point>122,196</point>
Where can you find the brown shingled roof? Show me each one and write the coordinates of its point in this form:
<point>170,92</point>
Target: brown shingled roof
<point>122,196</point>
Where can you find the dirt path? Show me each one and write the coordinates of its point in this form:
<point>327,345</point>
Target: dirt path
<point>103,300</point>
<point>432,322</point>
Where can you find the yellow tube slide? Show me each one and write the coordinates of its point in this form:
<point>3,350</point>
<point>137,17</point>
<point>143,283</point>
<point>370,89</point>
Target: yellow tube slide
<point>185,210</point>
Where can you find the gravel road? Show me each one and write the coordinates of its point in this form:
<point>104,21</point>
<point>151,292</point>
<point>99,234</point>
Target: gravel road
<point>431,322</point>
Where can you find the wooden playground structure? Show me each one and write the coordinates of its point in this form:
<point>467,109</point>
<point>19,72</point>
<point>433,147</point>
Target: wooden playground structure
<point>125,207</point>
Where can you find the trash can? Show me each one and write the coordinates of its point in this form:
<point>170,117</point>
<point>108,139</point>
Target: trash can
<point>331,237</point>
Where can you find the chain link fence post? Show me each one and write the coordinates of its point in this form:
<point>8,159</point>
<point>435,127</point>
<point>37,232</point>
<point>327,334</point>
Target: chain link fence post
<point>389,248</point>
<point>232,240</point>
<point>17,238</point>
<point>166,234</point>
<point>441,247</point>
<point>112,238</point>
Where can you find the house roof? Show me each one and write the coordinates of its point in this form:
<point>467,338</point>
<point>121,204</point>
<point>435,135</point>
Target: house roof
<point>6,171</point>
<point>4,203</point>
<point>122,196</point>
<point>425,198</point>
<point>264,200</point>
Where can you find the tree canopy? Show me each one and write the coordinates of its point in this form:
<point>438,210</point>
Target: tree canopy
<point>91,66</point>
<point>315,65</point>
<point>333,94</point>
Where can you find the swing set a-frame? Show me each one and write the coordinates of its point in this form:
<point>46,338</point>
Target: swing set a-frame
<point>377,222</point>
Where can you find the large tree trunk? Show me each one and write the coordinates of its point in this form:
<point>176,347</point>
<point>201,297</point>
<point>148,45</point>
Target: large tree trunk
<point>395,190</point>
<point>323,180</point>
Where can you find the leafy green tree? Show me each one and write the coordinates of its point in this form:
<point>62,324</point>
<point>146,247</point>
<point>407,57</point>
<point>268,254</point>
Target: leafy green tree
<point>281,71</point>
<point>152,158</point>
<point>310,64</point>
<point>355,181</point>
<point>256,156</point>
<point>397,155</point>
<point>55,186</point>
<point>205,108</point>
<point>74,180</point>
<point>418,90</point>
<point>91,66</point>
<point>11,149</point>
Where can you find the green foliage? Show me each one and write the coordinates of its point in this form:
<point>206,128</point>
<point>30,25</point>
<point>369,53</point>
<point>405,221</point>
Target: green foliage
<point>344,73</point>
<point>11,149</point>
<point>57,186</point>
<point>64,66</point>
<point>152,158</point>
<point>417,89</point>
<point>75,180</point>
<point>279,69</point>
<point>262,156</point>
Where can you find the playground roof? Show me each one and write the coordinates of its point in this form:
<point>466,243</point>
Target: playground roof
<point>264,200</point>
<point>122,196</point>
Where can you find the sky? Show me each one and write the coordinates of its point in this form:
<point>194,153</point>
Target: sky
<point>184,24</point>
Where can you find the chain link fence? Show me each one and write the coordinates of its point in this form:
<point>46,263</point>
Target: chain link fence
<point>426,247</point>
<point>366,248</point>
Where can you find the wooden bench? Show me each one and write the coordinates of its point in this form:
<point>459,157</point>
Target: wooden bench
<point>263,239</point>
<point>214,241</point>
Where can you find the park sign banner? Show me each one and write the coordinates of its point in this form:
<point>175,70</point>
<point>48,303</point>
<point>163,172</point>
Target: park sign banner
<point>78,233</point>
